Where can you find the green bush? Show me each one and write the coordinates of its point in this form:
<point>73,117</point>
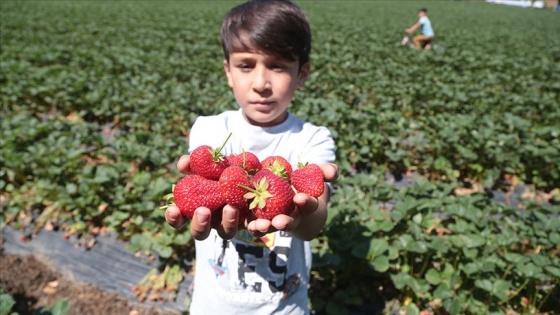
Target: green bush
<point>463,254</point>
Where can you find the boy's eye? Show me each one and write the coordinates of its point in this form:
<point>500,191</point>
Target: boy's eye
<point>244,66</point>
<point>278,67</point>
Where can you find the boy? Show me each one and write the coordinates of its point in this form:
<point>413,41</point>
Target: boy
<point>263,269</point>
<point>427,32</point>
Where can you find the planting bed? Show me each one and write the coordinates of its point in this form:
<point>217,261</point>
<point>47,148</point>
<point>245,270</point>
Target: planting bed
<point>47,268</point>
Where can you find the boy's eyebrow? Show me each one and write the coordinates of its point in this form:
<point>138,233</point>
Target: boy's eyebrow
<point>243,57</point>
<point>269,58</point>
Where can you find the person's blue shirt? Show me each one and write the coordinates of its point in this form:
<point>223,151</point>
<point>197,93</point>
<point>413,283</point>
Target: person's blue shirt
<point>426,26</point>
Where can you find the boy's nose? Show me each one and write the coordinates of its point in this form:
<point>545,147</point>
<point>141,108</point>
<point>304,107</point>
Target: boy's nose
<point>261,81</point>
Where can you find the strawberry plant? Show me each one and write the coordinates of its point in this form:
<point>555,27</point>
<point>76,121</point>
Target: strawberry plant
<point>452,254</point>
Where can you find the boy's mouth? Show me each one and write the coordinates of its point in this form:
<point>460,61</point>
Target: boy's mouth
<point>261,103</point>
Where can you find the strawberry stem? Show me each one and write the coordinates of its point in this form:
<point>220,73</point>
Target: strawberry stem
<point>217,155</point>
<point>244,158</point>
<point>223,145</point>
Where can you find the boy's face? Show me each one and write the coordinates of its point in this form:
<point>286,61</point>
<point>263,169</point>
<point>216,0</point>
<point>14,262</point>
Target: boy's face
<point>263,85</point>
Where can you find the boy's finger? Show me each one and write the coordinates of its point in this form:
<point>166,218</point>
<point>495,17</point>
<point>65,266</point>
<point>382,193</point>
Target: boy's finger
<point>306,204</point>
<point>260,227</point>
<point>174,217</point>
<point>287,222</point>
<point>183,165</point>
<point>230,223</point>
<point>200,224</point>
<point>330,171</point>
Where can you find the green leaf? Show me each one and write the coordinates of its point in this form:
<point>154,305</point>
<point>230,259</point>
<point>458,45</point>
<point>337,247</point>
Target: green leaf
<point>529,270</point>
<point>442,292</point>
<point>554,237</point>
<point>501,288</point>
<point>419,247</point>
<point>484,284</point>
<point>470,253</point>
<point>553,270</point>
<point>433,276</point>
<point>377,247</point>
<point>452,306</point>
<point>471,241</point>
<point>386,226</point>
<point>540,260</point>
<point>471,268</point>
<point>164,251</point>
<point>439,245</point>
<point>6,303</point>
<point>419,286</point>
<point>60,307</point>
<point>516,258</point>
<point>412,309</point>
<point>380,263</point>
<point>400,280</point>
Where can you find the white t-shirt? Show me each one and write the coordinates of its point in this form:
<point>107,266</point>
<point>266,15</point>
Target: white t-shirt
<point>248,275</point>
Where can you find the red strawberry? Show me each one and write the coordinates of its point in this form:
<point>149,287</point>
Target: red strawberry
<point>271,196</point>
<point>247,160</point>
<point>194,191</point>
<point>208,162</point>
<point>278,165</point>
<point>308,178</point>
<point>261,173</point>
<point>231,178</point>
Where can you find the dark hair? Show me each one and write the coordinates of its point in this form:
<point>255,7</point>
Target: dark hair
<point>277,27</point>
<point>423,10</point>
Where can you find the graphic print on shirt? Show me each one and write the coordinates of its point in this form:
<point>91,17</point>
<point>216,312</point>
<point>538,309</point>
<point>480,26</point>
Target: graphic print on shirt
<point>261,264</point>
<point>218,267</point>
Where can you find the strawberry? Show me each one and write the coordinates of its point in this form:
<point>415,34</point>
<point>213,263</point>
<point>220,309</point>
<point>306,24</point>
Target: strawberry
<point>308,178</point>
<point>208,162</point>
<point>272,195</point>
<point>262,173</point>
<point>247,160</point>
<point>278,165</point>
<point>230,180</point>
<point>194,191</point>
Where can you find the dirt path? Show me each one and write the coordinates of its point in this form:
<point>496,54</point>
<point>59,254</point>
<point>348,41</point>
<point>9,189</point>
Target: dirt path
<point>40,272</point>
<point>34,285</point>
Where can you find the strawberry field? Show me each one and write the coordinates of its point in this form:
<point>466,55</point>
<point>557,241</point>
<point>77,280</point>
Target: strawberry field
<point>448,195</point>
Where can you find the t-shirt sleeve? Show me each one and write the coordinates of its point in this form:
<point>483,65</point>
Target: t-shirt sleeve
<point>321,148</point>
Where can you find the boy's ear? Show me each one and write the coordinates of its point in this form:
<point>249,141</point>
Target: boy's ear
<point>303,74</point>
<point>228,73</point>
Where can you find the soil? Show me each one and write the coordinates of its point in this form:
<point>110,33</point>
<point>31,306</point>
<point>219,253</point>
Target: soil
<point>34,285</point>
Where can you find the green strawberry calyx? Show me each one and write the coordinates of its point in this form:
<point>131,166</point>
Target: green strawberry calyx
<point>169,199</point>
<point>217,155</point>
<point>278,169</point>
<point>259,194</point>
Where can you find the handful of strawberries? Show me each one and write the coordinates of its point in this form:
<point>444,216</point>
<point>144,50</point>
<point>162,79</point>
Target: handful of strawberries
<point>265,187</point>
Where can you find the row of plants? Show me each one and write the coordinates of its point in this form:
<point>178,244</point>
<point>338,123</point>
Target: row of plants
<point>97,102</point>
<point>434,249</point>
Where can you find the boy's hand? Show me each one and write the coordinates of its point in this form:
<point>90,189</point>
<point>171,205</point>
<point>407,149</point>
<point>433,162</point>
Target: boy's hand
<point>202,221</point>
<point>228,224</point>
<point>306,206</point>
